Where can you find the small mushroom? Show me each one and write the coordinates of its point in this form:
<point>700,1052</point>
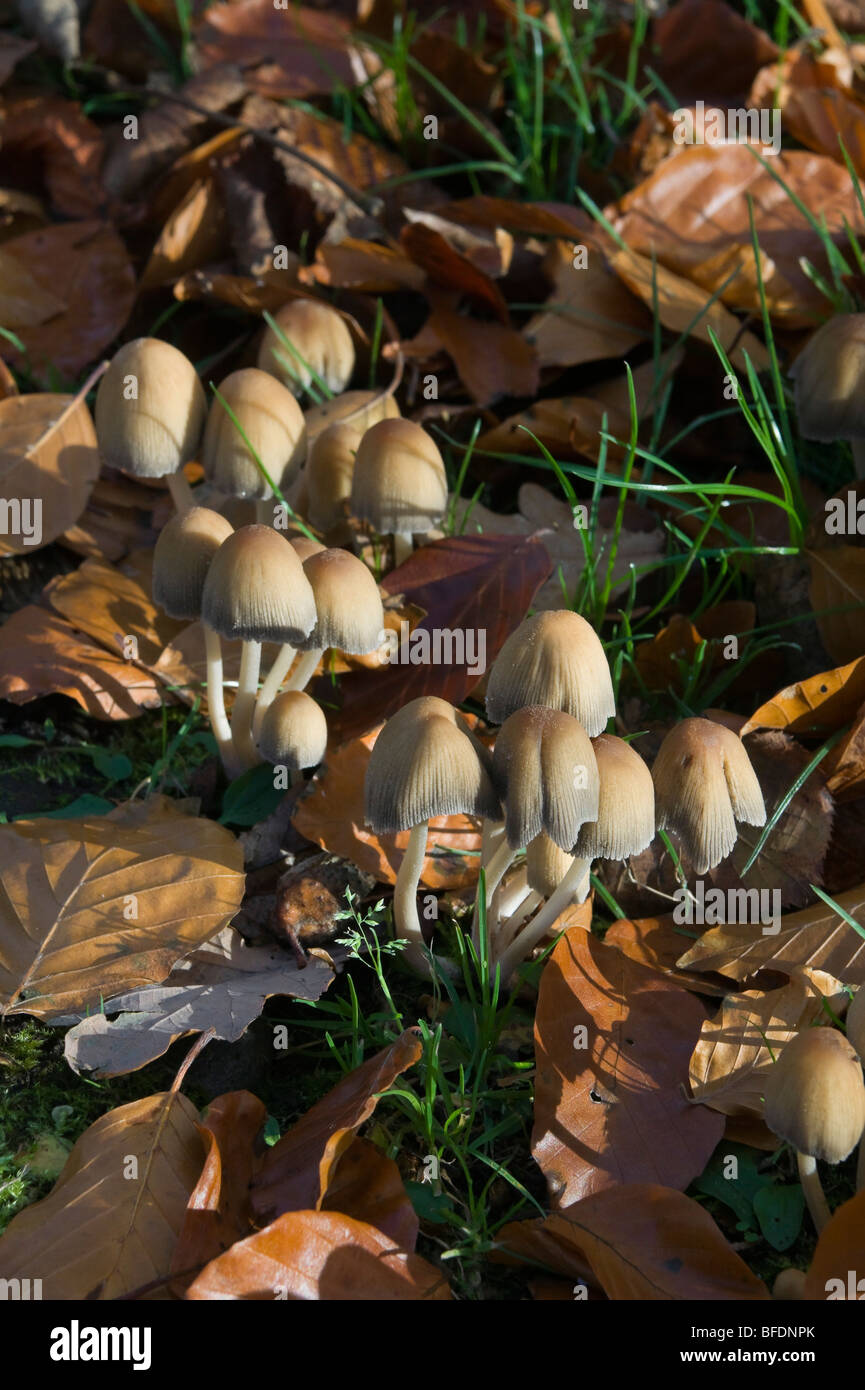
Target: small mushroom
<point>269,417</point>
<point>399,484</point>
<point>329,472</point>
<point>349,608</point>
<point>293,732</point>
<point>815,1100</point>
<point>150,411</point>
<point>830,385</point>
<point>704,783</point>
<point>554,659</point>
<point>308,335</point>
<point>855,1022</point>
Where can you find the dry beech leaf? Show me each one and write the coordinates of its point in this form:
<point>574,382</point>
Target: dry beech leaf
<point>68,149</point>
<point>223,985</point>
<point>816,118</point>
<point>590,315</point>
<point>657,942</point>
<point>738,1046</point>
<point>218,1212</point>
<point>97,1234</point>
<point>838,581</point>
<point>299,52</point>
<point>193,234</point>
<point>24,302</point>
<point>819,705</point>
<point>705,49</point>
<point>49,456</point>
<point>613,1111</point>
<point>645,1243</point>
<point>845,766</point>
<point>840,1249</point>
<point>66,934</point>
<point>297,1171</point>
<point>492,360</point>
<point>319,1256</point>
<point>111,606</point>
<point>815,937</point>
<point>363,265</point>
<point>533,219</point>
<point>367,1185</point>
<point>449,269</point>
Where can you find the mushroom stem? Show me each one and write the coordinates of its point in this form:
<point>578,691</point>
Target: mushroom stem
<point>306,668</point>
<point>813,1190</point>
<point>405,916</point>
<point>270,689</point>
<point>507,930</point>
<point>244,704</point>
<point>574,883</point>
<point>858,446</point>
<point>216,701</point>
<point>403,546</point>
<point>498,865</point>
<point>181,492</point>
<point>508,899</point>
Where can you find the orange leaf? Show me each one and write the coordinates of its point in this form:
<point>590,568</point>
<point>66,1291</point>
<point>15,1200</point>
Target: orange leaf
<point>841,1248</point>
<point>367,1185</point>
<point>818,705</point>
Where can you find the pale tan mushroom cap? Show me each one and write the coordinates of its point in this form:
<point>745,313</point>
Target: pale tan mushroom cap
<point>319,336</point>
<point>815,1096</point>
<point>293,731</point>
<point>256,589</point>
<point>150,409</point>
<point>554,659</point>
<point>273,423</point>
<point>182,557</point>
<point>329,472</point>
<point>426,763</point>
<point>347,601</point>
<point>855,1021</point>
<point>546,864</point>
<point>357,408</point>
<point>625,823</point>
<point>704,783</point>
<point>399,482</point>
<point>546,774</point>
<point>303,547</point>
<point>830,380</point>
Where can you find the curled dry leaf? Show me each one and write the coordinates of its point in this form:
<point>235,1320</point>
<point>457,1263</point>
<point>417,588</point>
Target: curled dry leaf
<point>613,1040</point>
<point>69,148</point>
<point>296,1173</point>
<point>299,52</point>
<point>99,1234</point>
<point>367,1185</point>
<point>223,986</point>
<point>840,1249</point>
<point>111,606</point>
<point>49,457</point>
<point>657,942</point>
<point>319,1256</point>
<point>106,903</point>
<point>492,360</point>
<point>194,233</point>
<point>706,50</point>
<point>838,582</point>
<point>590,314</point>
<point>643,1243</point>
<point>819,705</point>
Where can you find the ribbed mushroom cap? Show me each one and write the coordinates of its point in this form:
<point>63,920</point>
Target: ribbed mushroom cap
<point>855,1021</point>
<point>546,774</point>
<point>553,659</point>
<point>704,783</point>
<point>347,601</point>
<point>183,554</point>
<point>303,547</point>
<point>319,336</point>
<point>150,409</point>
<point>293,731</point>
<point>626,807</point>
<point>256,589</point>
<point>815,1096</point>
<point>273,423</point>
<point>830,380</point>
<point>426,763</point>
<point>546,864</point>
<point>399,481</point>
<point>364,407</point>
<point>329,472</point>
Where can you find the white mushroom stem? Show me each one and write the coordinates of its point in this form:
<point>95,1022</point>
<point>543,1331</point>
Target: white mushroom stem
<point>858,446</point>
<point>244,704</point>
<point>574,883</point>
<point>507,929</point>
<point>495,871</point>
<point>403,546</point>
<point>813,1190</point>
<point>509,896</point>
<point>216,700</point>
<point>306,669</point>
<point>181,492</point>
<point>405,915</point>
<point>270,689</point>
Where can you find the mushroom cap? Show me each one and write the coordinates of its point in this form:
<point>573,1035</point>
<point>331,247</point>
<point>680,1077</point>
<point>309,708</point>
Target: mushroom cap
<point>273,423</point>
<point>320,337</point>
<point>303,547</point>
<point>293,731</point>
<point>347,601</point>
<point>156,430</point>
<point>399,481</point>
<point>329,473</point>
<point>426,763</point>
<point>554,659</point>
<point>357,408</point>
<point>625,823</point>
<point>704,783</point>
<point>546,864</point>
<point>855,1022</point>
<point>182,557</point>
<point>256,589</point>
<point>815,1096</point>
<point>830,380</point>
<point>546,774</point>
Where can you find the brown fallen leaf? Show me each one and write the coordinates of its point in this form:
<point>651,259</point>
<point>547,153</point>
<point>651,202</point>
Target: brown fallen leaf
<point>50,457</point>
<point>367,1186</point>
<point>105,903</point>
<point>838,582</point>
<point>645,1243</point>
<point>845,765</point>
<point>705,49</point>
<point>296,1173</point>
<point>299,52</point>
<point>24,303</point>
<point>69,149</point>
<point>449,269</point>
<point>818,117</point>
<point>657,942</point>
<point>319,1256</point>
<point>111,607</point>
<point>613,1041</point>
<point>819,705</point>
<point>217,1213</point>
<point>193,234</point>
<point>840,1249</point>
<point>98,1234</point>
<point>362,265</point>
<point>492,359</point>
<point>590,314</point>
